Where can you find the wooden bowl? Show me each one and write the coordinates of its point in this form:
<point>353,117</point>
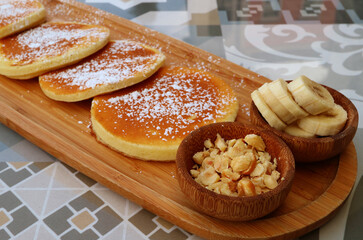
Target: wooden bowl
<point>319,148</point>
<point>226,207</point>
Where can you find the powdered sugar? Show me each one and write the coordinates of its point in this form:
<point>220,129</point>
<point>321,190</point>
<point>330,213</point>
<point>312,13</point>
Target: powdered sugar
<point>11,10</point>
<point>119,61</point>
<point>171,105</point>
<point>51,39</point>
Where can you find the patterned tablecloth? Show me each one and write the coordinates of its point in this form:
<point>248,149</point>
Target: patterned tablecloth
<point>41,198</point>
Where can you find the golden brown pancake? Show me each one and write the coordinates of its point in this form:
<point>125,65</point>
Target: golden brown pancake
<point>149,120</point>
<point>49,46</point>
<point>116,66</point>
<point>18,15</point>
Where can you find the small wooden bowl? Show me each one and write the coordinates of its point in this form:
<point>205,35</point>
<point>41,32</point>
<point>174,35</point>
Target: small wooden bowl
<point>226,207</point>
<point>319,148</point>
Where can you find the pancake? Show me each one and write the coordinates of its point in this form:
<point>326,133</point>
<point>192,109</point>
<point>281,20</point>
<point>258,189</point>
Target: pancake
<point>118,65</point>
<point>149,120</point>
<point>18,15</point>
<point>49,46</point>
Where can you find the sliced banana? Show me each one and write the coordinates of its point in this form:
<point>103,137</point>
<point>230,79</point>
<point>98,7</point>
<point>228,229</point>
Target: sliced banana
<point>295,130</point>
<point>276,106</point>
<point>325,124</point>
<point>310,95</point>
<point>280,91</point>
<point>272,119</point>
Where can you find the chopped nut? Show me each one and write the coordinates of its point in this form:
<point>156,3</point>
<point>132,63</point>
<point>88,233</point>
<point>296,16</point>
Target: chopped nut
<point>270,182</point>
<point>195,166</point>
<point>241,163</point>
<point>214,186</point>
<point>232,186</point>
<point>220,143</point>
<point>194,173</point>
<point>226,180</point>
<point>252,165</point>
<point>221,163</point>
<point>208,143</point>
<point>208,176</point>
<point>275,162</point>
<point>231,142</point>
<point>258,181</point>
<point>275,174</point>
<point>238,149</point>
<point>258,190</point>
<point>228,173</point>
<point>240,144</point>
<point>258,171</point>
<point>235,168</point>
<point>255,141</point>
<point>208,162</point>
<point>224,189</point>
<point>198,157</point>
<point>268,166</point>
<point>264,156</point>
<point>213,152</point>
<point>246,188</point>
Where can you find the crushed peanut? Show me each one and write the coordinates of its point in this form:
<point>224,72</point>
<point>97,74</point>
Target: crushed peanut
<point>236,167</point>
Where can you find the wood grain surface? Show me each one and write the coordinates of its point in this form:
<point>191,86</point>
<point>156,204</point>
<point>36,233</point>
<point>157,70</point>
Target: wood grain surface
<point>62,129</point>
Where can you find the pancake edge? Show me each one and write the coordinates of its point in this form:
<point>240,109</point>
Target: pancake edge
<point>35,69</point>
<point>158,152</point>
<point>89,93</point>
<point>24,23</point>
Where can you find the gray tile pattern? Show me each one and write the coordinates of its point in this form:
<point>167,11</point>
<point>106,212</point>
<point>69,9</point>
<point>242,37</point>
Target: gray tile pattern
<point>72,170</point>
<point>11,177</point>
<point>143,221</point>
<point>107,220</point>
<point>162,235</point>
<point>22,219</point>
<point>3,166</point>
<point>4,235</point>
<point>87,235</point>
<point>86,180</point>
<point>88,200</point>
<point>9,201</point>
<point>20,216</point>
<point>39,166</point>
<point>58,221</point>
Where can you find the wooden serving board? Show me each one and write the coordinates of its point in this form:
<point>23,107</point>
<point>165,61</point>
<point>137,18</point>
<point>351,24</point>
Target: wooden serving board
<point>62,129</point>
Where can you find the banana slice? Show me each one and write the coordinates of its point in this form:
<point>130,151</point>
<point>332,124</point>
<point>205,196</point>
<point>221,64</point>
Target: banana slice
<point>295,130</point>
<point>310,95</point>
<point>266,111</point>
<point>325,124</point>
<point>280,91</point>
<point>276,106</point>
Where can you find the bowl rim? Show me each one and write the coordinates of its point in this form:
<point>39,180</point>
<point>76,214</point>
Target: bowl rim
<point>351,123</point>
<point>182,169</point>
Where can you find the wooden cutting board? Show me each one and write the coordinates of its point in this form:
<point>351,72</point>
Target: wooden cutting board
<point>63,130</point>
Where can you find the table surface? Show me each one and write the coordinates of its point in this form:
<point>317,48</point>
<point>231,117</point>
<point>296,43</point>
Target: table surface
<point>42,198</point>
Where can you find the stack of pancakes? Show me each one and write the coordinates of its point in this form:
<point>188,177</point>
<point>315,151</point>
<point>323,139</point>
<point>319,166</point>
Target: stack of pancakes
<point>139,108</point>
